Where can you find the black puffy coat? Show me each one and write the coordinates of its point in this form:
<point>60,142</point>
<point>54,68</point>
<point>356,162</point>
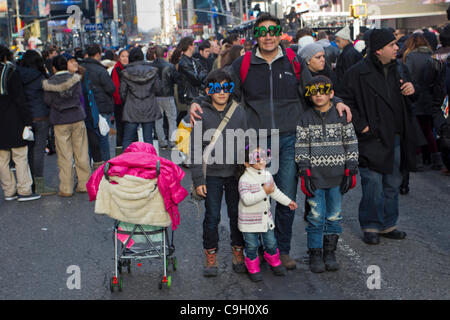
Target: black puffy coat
<point>15,113</point>
<point>102,83</point>
<point>370,96</point>
<point>32,84</point>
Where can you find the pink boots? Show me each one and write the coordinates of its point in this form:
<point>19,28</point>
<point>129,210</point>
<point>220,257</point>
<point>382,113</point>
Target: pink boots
<point>275,263</point>
<point>253,269</point>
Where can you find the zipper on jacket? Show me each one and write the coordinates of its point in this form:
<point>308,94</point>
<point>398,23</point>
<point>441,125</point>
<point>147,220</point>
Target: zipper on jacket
<point>271,96</point>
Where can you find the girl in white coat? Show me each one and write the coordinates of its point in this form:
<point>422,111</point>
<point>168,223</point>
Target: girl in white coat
<point>255,220</point>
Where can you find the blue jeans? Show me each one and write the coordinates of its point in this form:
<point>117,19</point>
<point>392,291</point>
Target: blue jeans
<point>378,209</point>
<point>324,217</point>
<point>252,243</point>
<point>286,180</point>
<point>130,133</point>
<point>213,203</point>
<point>104,140</point>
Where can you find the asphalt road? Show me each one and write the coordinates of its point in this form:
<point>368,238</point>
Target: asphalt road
<point>42,239</point>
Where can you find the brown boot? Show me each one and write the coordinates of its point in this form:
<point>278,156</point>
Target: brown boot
<point>238,259</point>
<point>287,262</point>
<point>211,267</point>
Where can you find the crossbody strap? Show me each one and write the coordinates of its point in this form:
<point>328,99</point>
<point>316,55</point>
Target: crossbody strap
<point>216,135</point>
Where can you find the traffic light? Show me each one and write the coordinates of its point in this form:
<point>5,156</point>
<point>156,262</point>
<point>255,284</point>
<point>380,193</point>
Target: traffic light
<point>358,10</point>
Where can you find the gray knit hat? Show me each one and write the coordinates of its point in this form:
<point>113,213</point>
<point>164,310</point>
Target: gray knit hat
<point>310,51</point>
<point>344,33</point>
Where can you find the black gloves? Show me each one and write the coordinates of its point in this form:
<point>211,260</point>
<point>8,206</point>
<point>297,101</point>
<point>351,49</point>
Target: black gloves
<point>349,180</point>
<point>307,185</point>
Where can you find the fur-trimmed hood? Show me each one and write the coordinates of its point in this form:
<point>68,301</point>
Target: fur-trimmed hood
<point>63,83</point>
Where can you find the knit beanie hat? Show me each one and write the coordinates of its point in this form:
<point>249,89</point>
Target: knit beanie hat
<point>304,41</point>
<point>344,33</point>
<point>310,51</point>
<point>379,38</point>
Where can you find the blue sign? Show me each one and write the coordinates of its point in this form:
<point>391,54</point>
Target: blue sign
<point>93,27</point>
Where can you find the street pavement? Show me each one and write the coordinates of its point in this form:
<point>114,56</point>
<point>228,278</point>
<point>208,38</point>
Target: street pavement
<point>42,239</point>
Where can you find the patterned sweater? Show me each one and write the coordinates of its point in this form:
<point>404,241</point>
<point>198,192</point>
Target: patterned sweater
<point>327,145</point>
<point>254,205</point>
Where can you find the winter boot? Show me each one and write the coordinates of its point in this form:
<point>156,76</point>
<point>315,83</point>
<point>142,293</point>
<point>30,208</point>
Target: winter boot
<point>238,259</point>
<point>288,262</point>
<point>275,263</point>
<point>42,189</point>
<point>211,267</point>
<point>329,248</point>
<point>316,264</point>
<point>436,161</point>
<point>253,269</point>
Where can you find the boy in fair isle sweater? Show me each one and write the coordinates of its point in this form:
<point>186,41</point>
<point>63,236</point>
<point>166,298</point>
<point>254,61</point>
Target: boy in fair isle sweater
<point>326,151</point>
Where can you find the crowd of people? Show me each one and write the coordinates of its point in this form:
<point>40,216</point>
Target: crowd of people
<point>377,106</point>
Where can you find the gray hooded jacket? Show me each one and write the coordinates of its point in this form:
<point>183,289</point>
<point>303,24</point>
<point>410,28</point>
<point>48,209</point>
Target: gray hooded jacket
<point>138,86</point>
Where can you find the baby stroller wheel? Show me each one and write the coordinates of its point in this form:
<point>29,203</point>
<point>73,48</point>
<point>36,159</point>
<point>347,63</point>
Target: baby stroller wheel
<point>116,282</point>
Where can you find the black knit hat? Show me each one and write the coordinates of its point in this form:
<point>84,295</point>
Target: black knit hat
<point>379,38</point>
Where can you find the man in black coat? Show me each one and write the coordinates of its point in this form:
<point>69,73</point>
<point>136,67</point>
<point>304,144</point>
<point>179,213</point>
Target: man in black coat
<point>103,91</point>
<point>348,57</point>
<point>379,92</point>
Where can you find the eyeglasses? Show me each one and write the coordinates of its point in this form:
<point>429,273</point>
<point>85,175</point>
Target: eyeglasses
<point>314,90</point>
<point>260,156</point>
<point>215,87</point>
<point>262,31</point>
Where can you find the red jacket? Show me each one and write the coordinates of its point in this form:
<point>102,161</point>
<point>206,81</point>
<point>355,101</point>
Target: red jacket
<point>115,75</point>
<point>139,160</point>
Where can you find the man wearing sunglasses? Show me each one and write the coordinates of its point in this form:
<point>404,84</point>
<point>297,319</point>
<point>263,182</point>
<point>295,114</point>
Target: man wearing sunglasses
<point>272,97</point>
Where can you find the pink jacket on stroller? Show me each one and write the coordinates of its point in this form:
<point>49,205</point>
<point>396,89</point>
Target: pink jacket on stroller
<point>139,160</point>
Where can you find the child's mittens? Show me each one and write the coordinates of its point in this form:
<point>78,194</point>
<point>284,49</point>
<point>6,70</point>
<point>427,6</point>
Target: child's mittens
<point>349,180</point>
<point>307,185</point>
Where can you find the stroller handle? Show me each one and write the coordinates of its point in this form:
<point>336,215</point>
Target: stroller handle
<point>108,166</point>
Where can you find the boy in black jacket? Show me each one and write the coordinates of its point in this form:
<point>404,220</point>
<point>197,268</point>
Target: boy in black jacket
<point>326,151</point>
<point>220,173</point>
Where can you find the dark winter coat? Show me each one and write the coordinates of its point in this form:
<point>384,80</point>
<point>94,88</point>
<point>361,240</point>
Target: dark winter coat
<point>32,83</point>
<point>103,84</point>
<point>348,58</point>
<point>372,96</point>
<point>63,93</point>
<point>138,86</point>
<point>271,93</point>
<point>168,75</point>
<point>193,77</point>
<point>15,113</point>
<point>418,63</point>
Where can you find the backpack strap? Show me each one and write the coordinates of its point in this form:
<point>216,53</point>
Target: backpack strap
<point>290,54</point>
<point>245,65</point>
<point>294,62</point>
